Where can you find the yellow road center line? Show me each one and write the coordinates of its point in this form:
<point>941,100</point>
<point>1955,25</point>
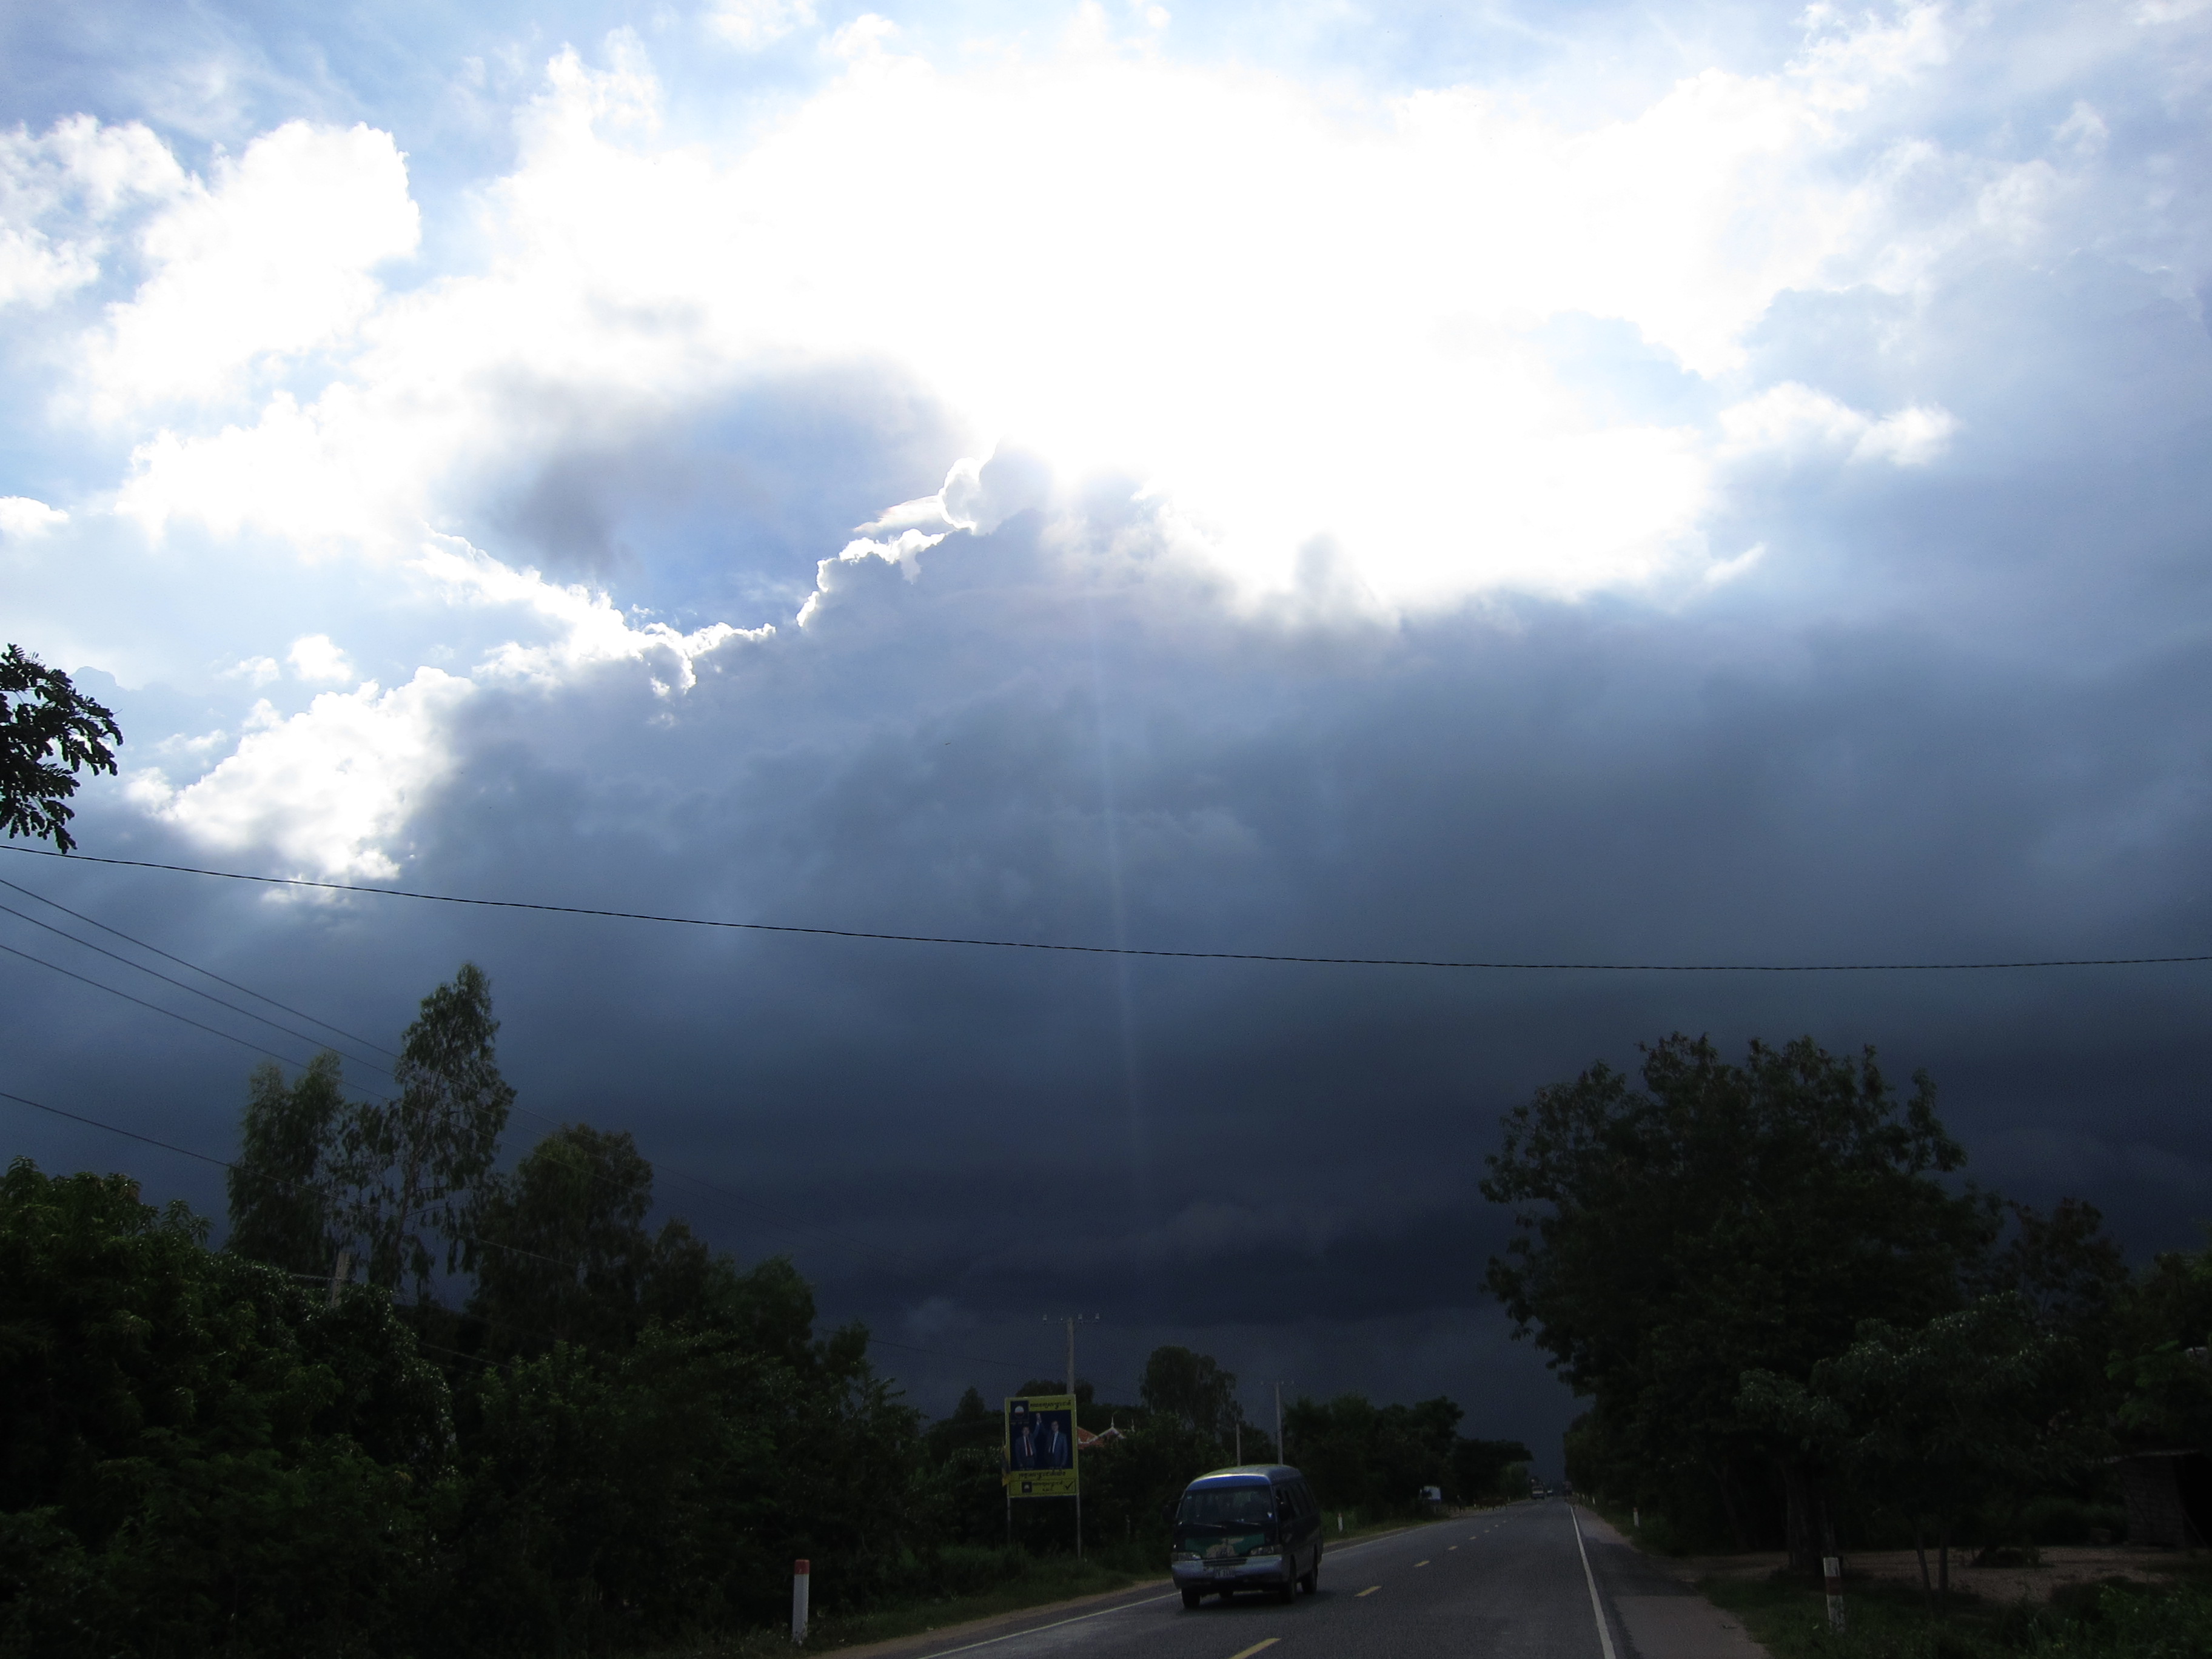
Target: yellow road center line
<point>1370,1591</point>
<point>1451,1546</point>
<point>1420,1563</point>
<point>1255,1648</point>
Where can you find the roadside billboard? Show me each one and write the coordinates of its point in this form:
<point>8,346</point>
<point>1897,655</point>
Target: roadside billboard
<point>1039,1446</point>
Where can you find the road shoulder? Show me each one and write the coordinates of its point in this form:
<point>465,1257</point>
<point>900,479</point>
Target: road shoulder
<point>1661,1614</point>
<point>970,1632</point>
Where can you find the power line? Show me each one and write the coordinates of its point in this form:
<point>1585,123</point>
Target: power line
<point>128,1135</point>
<point>227,1037</point>
<point>189,990</point>
<point>788,1223</point>
<point>210,973</point>
<point>1138,951</point>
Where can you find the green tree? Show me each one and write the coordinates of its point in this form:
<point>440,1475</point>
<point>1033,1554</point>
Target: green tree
<point>1723,1218</point>
<point>198,1453</point>
<point>564,1255</point>
<point>2161,1366</point>
<point>621,1497</point>
<point>49,731</point>
<point>1376,1458</point>
<point>1483,1471</point>
<point>1193,1389</point>
<point>972,1424</point>
<point>422,1165</point>
<point>285,1193</point>
<point>1973,1407</point>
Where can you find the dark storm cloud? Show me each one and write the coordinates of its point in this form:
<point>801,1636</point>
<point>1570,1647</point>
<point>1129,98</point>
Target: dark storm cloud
<point>1276,1160</point>
<point>1955,713</point>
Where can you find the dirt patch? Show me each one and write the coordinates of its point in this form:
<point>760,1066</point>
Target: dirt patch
<point>2060,1565</point>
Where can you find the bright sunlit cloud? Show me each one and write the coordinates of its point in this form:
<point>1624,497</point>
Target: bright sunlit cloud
<point>1293,324</point>
<point>272,259</point>
<point>1356,354</point>
<point>329,790</point>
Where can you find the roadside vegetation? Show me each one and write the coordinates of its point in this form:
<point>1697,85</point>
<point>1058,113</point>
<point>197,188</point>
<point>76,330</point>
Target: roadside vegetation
<point>425,1402</point>
<point>2114,1620</point>
<point>1800,1327</point>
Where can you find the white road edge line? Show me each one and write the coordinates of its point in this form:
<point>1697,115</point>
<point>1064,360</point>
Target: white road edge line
<point>1597,1607</point>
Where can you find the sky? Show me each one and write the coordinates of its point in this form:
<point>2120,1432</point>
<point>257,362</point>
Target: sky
<point>1685,484</point>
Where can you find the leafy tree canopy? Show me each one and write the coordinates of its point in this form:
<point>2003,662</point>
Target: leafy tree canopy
<point>193,1441</point>
<point>1724,1218</point>
<point>49,731</point>
<point>1193,1389</point>
<point>283,1185</point>
<point>1975,1406</point>
<point>421,1164</point>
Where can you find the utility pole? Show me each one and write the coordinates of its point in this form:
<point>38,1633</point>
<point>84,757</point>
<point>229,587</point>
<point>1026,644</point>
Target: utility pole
<point>1071,1320</point>
<point>1075,1426</point>
<point>1282,1455</point>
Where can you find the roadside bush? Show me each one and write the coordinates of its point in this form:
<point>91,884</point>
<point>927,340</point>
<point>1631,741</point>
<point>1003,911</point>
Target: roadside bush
<point>198,1454</point>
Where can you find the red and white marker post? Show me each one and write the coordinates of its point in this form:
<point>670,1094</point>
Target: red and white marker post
<point>802,1574</point>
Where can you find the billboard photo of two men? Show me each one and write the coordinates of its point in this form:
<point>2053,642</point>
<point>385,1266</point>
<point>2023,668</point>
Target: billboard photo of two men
<point>1040,1447</point>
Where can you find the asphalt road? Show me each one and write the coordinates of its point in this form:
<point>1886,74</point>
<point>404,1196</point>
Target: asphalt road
<point>1508,1582</point>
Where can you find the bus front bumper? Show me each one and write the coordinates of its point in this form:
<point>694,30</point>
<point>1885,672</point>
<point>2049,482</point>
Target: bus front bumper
<point>1235,1572</point>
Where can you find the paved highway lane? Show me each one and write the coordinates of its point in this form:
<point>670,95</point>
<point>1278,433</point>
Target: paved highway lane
<point>1512,1583</point>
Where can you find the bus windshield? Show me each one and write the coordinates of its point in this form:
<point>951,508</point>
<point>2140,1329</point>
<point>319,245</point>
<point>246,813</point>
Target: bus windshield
<point>1226,1507</point>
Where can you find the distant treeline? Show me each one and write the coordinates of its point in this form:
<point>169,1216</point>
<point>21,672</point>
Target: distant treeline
<point>619,1437</point>
<point>1797,1324</point>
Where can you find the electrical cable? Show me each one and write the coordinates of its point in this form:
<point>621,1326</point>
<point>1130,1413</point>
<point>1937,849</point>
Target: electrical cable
<point>128,1135</point>
<point>1133,949</point>
<point>676,1174</point>
<point>210,973</point>
<point>211,1031</point>
<point>788,1224</point>
<point>189,990</point>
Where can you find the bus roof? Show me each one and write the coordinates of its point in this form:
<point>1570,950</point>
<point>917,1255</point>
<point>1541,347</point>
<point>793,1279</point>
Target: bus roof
<point>1248,1474</point>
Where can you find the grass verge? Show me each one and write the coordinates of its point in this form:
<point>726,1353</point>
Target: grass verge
<point>1052,1579</point>
<point>2111,1620</point>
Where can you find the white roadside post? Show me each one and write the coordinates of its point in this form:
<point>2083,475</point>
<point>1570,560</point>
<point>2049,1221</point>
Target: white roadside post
<point>801,1573</point>
<point>1832,1576</point>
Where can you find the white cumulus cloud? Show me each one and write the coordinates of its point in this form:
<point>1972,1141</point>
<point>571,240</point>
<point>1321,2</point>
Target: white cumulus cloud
<point>584,625</point>
<point>273,257</point>
<point>329,790</point>
<point>59,193</point>
<point>1283,323</point>
<point>752,24</point>
<point>23,517</point>
<point>1793,419</point>
<point>314,657</point>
